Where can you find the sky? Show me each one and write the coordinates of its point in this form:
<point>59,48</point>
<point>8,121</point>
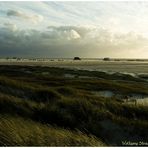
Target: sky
<point>58,29</point>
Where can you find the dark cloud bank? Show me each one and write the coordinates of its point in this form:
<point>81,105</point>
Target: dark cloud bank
<point>66,41</point>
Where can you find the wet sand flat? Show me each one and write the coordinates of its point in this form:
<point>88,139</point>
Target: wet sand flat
<point>110,66</point>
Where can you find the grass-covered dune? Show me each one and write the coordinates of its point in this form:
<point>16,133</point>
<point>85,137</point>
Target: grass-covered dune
<point>16,131</point>
<point>41,106</point>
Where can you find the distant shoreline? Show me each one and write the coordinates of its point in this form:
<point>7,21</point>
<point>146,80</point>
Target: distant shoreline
<point>134,67</point>
<point>92,59</point>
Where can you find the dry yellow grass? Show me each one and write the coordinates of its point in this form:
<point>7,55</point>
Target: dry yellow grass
<point>16,131</point>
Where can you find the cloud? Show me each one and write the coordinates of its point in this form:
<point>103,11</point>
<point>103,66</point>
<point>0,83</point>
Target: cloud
<point>110,32</point>
<point>69,41</point>
<point>72,34</point>
<point>62,33</point>
<point>11,26</point>
<point>31,17</point>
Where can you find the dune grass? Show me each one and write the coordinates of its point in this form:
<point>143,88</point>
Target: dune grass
<point>15,131</point>
<point>32,101</point>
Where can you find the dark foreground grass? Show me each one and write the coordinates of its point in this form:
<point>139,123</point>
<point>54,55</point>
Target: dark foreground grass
<point>30,102</point>
<point>15,131</point>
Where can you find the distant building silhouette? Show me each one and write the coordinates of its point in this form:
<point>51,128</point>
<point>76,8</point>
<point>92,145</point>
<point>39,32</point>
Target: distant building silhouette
<point>106,59</point>
<point>76,58</point>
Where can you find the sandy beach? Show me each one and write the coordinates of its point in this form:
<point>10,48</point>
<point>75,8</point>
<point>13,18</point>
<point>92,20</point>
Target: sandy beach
<point>97,65</point>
